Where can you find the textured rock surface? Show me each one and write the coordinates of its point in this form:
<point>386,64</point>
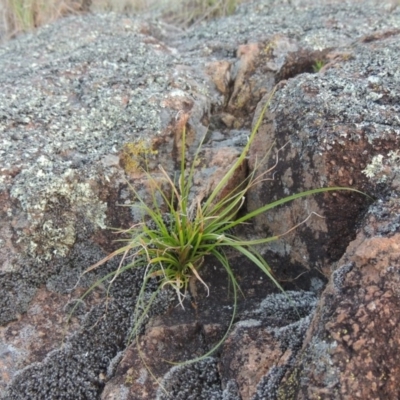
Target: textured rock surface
<point>66,113</point>
<point>350,352</point>
<point>333,125</point>
<point>95,95</point>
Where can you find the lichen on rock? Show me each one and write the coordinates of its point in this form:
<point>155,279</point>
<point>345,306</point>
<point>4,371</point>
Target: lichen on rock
<point>53,205</point>
<point>91,88</point>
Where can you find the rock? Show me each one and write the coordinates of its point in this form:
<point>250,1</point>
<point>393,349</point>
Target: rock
<point>269,334</point>
<point>261,348</point>
<point>329,146</point>
<point>67,111</point>
<point>350,348</point>
<point>98,97</point>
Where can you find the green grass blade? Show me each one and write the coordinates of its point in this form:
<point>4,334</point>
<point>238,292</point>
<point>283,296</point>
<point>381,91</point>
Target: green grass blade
<point>287,199</point>
<point>224,261</point>
<point>242,156</point>
<point>261,263</point>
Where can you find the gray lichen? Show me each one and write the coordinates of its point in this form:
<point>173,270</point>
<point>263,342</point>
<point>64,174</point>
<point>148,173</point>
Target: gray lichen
<point>287,316</point>
<point>293,317</point>
<point>283,309</point>
<point>346,93</point>
<point>339,276</point>
<point>383,169</point>
<point>231,391</point>
<point>308,25</point>
<point>53,207</point>
<point>64,107</point>
<point>78,369</point>
<point>197,381</point>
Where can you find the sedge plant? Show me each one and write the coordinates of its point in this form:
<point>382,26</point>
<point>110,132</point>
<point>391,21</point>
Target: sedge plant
<point>171,246</point>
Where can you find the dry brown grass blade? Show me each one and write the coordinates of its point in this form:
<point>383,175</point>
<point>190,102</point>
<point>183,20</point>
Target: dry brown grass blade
<point>24,15</point>
<point>18,16</point>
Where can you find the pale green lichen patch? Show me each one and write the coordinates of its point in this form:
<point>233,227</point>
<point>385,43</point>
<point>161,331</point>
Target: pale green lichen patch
<point>52,211</point>
<point>134,156</point>
<point>65,106</point>
<point>383,168</point>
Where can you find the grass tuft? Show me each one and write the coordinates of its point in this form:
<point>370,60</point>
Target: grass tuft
<point>171,246</point>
